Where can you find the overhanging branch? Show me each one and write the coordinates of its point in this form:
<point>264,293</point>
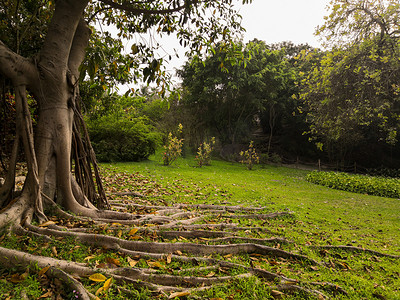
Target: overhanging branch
<point>143,11</point>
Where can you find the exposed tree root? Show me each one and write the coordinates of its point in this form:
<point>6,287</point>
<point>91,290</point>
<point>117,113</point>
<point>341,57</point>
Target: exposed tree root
<point>208,248</point>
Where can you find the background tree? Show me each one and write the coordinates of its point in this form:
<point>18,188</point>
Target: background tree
<point>225,98</point>
<point>352,92</point>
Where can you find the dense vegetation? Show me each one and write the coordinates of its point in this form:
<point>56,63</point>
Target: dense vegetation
<point>378,186</point>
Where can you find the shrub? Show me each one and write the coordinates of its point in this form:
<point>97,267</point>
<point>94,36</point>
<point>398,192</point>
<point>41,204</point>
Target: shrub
<point>249,157</point>
<point>117,137</point>
<point>204,152</point>
<point>173,147</point>
<point>363,184</point>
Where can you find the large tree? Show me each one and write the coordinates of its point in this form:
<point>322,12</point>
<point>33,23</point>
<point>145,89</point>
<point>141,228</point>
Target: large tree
<point>352,93</point>
<point>43,48</point>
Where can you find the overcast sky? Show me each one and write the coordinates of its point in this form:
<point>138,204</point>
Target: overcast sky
<point>271,21</point>
<point>275,21</point>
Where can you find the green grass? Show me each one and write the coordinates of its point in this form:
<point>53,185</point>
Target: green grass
<point>320,216</point>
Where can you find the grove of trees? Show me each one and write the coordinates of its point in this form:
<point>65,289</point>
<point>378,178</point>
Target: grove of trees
<point>58,71</point>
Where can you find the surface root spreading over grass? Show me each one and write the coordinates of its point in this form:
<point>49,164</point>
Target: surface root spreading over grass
<point>167,252</point>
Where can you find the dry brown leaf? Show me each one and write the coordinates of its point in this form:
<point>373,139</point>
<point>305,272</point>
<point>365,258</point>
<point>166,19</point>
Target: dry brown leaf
<point>16,278</point>
<point>132,262</point>
<point>47,294</point>
<point>48,223</point>
<point>178,294</point>
<point>178,252</point>
<point>228,255</point>
<point>276,293</point>
<point>54,251</point>
<point>113,261</point>
<point>169,258</point>
<point>119,234</point>
<point>135,237</point>
<point>43,271</point>
<point>211,274</point>
<point>97,277</point>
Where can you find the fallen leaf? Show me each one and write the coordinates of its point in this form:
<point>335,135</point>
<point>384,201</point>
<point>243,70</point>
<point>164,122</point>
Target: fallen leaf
<point>45,295</point>
<point>54,251</point>
<point>132,262</point>
<point>43,271</point>
<point>17,278</point>
<point>169,258</point>
<point>99,290</point>
<point>107,284</point>
<point>113,261</point>
<point>228,255</point>
<point>178,252</point>
<point>97,277</point>
<point>133,231</point>
<point>89,257</point>
<point>276,293</point>
<point>178,294</point>
<point>211,274</point>
<point>48,223</point>
<point>155,264</point>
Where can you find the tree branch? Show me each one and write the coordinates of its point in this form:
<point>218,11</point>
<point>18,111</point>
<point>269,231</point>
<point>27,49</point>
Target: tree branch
<point>15,67</point>
<point>139,11</point>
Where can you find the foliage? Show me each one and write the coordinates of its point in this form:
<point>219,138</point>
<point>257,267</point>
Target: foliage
<point>172,147</point>
<point>351,95</point>
<point>223,94</point>
<point>204,152</point>
<point>121,132</point>
<point>378,186</point>
<point>249,157</point>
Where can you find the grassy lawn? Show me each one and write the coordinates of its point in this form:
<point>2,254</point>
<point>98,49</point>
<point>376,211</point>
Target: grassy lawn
<point>319,216</point>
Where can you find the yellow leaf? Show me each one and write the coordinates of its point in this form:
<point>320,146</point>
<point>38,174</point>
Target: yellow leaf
<point>228,255</point>
<point>107,284</point>
<point>178,294</point>
<point>211,274</point>
<point>89,257</point>
<point>133,231</point>
<point>97,277</point>
<point>100,290</point>
<point>43,271</point>
<point>48,223</point>
<point>169,258</point>
<point>132,262</point>
<point>178,252</point>
<point>155,264</point>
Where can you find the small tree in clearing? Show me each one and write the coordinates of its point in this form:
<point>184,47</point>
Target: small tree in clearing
<point>173,147</point>
<point>204,151</point>
<point>249,157</point>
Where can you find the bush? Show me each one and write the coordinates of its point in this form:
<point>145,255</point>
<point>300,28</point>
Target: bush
<point>204,152</point>
<point>117,137</point>
<point>363,184</point>
<point>173,147</point>
<point>249,157</point>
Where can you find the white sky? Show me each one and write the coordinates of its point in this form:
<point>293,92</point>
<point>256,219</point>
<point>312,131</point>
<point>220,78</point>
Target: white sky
<point>271,21</point>
<point>275,21</point>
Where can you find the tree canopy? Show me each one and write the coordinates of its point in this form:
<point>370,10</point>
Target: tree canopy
<point>352,93</point>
